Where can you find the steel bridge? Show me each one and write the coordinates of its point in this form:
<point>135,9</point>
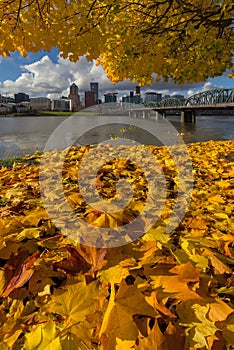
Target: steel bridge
<point>216,99</point>
<point>210,97</point>
<point>204,98</point>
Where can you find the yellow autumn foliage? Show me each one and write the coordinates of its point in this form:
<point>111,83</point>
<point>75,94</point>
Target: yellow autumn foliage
<point>187,41</point>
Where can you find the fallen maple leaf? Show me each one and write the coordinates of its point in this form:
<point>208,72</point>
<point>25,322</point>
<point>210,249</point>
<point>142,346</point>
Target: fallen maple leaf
<point>175,282</point>
<point>74,264</point>
<point>23,276</point>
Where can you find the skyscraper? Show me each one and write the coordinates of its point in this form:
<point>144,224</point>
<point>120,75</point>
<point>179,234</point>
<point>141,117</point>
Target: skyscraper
<point>90,98</point>
<point>74,89</point>
<point>94,87</point>
<point>74,97</point>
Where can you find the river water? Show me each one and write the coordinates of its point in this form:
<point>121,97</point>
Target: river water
<point>24,135</point>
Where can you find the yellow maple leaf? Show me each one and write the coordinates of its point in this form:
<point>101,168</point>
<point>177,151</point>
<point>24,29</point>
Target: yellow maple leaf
<point>175,281</point>
<point>43,337</point>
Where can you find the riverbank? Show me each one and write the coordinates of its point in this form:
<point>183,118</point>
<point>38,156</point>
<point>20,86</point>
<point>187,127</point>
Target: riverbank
<point>38,114</point>
<point>9,163</point>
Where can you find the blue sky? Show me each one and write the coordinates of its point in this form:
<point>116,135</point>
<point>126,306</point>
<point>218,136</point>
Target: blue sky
<point>47,74</point>
<point>10,66</point>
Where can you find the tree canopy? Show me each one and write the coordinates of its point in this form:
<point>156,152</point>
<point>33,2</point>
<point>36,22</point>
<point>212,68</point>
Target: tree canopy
<point>186,41</point>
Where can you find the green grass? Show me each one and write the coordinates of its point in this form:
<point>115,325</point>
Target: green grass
<point>56,113</point>
<point>8,163</point>
<point>82,112</point>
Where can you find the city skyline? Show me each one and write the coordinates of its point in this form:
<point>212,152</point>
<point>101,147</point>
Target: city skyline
<point>91,97</point>
<point>47,74</point>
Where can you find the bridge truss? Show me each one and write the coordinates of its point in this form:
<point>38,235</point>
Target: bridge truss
<point>211,97</point>
<point>168,102</point>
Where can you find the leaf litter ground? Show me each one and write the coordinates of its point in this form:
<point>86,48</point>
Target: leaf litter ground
<point>163,291</point>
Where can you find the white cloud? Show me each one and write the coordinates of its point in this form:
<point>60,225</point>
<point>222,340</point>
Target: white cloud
<point>190,92</point>
<point>209,86</point>
<point>203,87</point>
<point>46,78</point>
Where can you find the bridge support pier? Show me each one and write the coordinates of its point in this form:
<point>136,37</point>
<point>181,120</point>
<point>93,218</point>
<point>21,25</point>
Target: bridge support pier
<point>132,113</point>
<point>146,114</point>
<point>188,116</point>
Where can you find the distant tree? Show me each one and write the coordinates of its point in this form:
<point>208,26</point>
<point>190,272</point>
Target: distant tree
<point>186,41</point>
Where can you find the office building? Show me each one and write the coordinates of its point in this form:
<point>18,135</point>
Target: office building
<point>74,97</point>
<point>90,98</point>
<point>94,88</point>
<point>62,105</point>
<point>40,103</point>
<point>137,99</point>
<point>21,97</point>
<point>153,97</point>
<point>110,97</point>
<point>138,90</point>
